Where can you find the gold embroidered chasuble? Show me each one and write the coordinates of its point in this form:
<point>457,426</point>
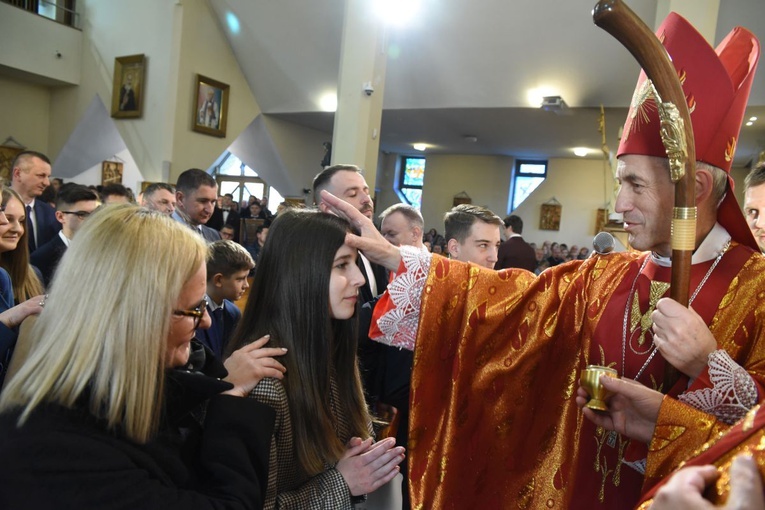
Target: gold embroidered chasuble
<point>747,437</point>
<point>494,423</point>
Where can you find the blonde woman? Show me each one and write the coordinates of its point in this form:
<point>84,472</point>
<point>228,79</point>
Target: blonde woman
<point>102,412</point>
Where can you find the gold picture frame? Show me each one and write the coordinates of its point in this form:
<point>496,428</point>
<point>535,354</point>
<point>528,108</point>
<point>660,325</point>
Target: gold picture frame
<point>210,109</point>
<point>549,218</point>
<point>7,155</point>
<point>128,87</point>
<point>111,172</point>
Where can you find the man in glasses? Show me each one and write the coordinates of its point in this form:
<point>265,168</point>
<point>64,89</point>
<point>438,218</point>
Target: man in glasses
<point>74,204</point>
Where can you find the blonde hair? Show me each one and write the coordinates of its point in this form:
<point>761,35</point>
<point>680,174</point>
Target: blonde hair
<point>101,338</point>
<point>25,282</point>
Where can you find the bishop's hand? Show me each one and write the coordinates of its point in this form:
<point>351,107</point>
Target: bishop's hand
<point>682,337</point>
<point>632,408</point>
<point>370,241</point>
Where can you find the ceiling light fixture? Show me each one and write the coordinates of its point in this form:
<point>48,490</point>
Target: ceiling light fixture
<point>750,123</point>
<point>752,119</point>
<point>470,138</point>
<point>419,146</point>
<point>555,104</point>
<point>397,12</point>
<point>581,151</point>
<point>328,102</point>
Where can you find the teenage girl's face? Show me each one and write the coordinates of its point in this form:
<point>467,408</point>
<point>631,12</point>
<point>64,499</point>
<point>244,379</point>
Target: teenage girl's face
<point>344,282</point>
<point>12,230</point>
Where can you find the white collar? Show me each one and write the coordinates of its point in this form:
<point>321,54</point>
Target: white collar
<point>65,239</point>
<point>709,248</point>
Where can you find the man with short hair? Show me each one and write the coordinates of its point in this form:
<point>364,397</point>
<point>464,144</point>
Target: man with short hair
<point>227,233</point>
<point>30,173</point>
<point>515,251</point>
<point>754,203</point>
<point>346,182</point>
<point>402,224</point>
<point>115,194</point>
<point>195,196</point>
<point>260,239</point>
<point>74,204</point>
<point>225,214</point>
<point>160,197</point>
<point>472,234</point>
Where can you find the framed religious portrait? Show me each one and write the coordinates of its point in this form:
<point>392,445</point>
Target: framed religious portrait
<point>210,108</point>
<point>549,217</point>
<point>128,89</point>
<point>111,173</point>
<point>7,155</point>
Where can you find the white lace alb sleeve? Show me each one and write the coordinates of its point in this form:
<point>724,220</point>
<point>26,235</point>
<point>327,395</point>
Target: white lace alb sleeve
<point>733,392</point>
<point>399,325</point>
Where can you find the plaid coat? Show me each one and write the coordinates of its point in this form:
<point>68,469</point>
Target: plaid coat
<point>288,486</point>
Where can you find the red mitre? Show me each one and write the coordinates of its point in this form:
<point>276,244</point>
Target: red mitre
<point>716,85</point>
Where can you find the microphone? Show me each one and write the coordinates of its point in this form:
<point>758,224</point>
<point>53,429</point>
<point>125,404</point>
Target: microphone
<point>603,243</point>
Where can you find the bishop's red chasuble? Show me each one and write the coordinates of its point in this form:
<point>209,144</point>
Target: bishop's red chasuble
<point>494,423</point>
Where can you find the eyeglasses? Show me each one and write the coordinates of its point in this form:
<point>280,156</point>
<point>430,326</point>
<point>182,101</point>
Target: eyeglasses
<point>198,312</point>
<point>80,214</point>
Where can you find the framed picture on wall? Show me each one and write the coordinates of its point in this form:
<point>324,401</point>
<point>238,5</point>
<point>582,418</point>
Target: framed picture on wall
<point>111,173</point>
<point>7,155</point>
<point>210,108</point>
<point>549,217</point>
<point>128,88</point>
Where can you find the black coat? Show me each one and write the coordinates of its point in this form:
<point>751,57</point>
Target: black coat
<point>67,459</point>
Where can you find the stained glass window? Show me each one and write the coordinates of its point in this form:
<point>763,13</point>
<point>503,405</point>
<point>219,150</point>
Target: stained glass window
<point>411,179</point>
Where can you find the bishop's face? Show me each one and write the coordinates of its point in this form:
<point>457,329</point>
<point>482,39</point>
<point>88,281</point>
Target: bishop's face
<point>645,199</point>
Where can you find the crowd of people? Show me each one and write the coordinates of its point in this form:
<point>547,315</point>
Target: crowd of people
<point>129,379</point>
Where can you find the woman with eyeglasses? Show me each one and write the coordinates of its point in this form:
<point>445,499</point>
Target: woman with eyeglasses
<point>106,411</point>
<point>322,452</point>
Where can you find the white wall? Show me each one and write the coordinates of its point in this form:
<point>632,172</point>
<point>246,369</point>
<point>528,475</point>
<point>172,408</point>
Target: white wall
<point>30,43</point>
<point>114,29</point>
<point>25,113</point>
<point>582,186</point>
<point>131,176</point>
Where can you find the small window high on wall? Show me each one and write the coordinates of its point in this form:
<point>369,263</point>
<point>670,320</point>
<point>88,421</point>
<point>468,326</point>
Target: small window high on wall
<point>528,175</point>
<point>410,180</point>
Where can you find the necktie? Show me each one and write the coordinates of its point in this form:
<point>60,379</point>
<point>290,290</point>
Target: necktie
<point>216,330</point>
<point>31,230</point>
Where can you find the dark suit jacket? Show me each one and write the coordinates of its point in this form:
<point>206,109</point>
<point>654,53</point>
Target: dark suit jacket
<point>46,258</point>
<point>381,277</point>
<point>216,220</point>
<point>515,252</point>
<point>230,316</point>
<point>47,225</point>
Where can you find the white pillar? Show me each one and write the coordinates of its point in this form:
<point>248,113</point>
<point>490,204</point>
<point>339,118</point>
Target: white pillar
<point>356,136</point>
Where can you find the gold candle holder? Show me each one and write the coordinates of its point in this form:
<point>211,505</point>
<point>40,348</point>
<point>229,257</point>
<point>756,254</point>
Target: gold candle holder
<point>590,381</point>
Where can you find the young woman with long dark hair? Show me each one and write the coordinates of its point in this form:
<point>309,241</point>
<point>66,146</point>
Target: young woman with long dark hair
<point>305,296</point>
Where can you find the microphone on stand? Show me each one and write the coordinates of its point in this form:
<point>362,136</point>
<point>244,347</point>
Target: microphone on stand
<point>603,243</point>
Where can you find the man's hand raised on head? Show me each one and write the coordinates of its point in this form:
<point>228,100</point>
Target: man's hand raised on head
<point>370,241</point>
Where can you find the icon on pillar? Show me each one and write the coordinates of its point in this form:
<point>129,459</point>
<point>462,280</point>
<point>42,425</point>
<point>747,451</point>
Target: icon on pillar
<point>368,88</point>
